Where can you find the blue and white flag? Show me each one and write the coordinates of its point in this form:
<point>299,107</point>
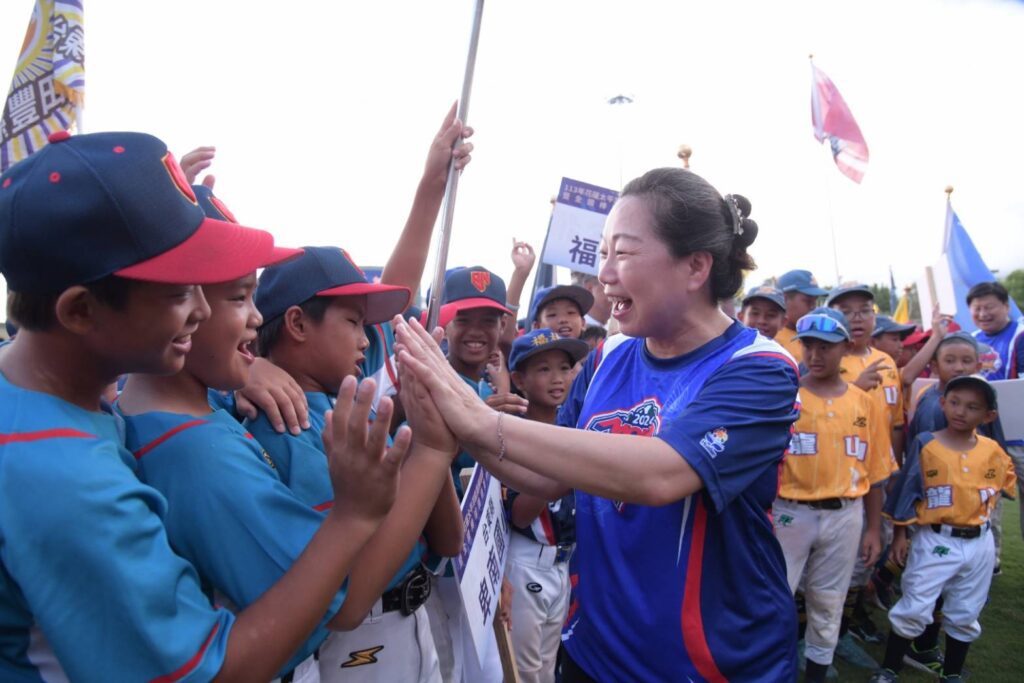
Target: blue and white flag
<point>574,235</point>
<point>966,268</point>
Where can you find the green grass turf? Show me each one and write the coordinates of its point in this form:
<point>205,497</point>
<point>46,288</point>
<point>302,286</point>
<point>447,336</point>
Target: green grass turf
<point>998,656</point>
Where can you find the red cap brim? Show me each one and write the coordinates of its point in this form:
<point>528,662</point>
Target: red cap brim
<point>217,252</point>
<point>449,311</point>
<point>383,302</point>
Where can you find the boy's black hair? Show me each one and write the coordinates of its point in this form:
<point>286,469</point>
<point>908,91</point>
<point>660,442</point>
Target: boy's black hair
<point>988,289</point>
<point>38,312</point>
<point>594,332</point>
<point>269,332</point>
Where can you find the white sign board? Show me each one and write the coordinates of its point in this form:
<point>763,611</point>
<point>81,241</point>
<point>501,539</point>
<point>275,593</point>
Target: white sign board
<point>481,565</point>
<point>936,286</point>
<point>1010,395</point>
<point>574,234</point>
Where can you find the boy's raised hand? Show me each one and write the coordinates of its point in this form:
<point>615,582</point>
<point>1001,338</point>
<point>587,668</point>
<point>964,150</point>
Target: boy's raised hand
<point>441,152</point>
<point>197,161</point>
<point>523,256</point>
<point>364,470</point>
<point>871,377</point>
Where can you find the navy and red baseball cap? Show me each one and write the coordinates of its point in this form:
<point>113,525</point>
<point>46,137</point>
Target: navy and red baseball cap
<point>580,296</point>
<point>539,341</point>
<point>89,206</point>
<point>466,288</point>
<point>325,271</point>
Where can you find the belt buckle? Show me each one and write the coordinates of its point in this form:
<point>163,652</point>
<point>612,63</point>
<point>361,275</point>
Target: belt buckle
<point>563,553</point>
<point>414,592</point>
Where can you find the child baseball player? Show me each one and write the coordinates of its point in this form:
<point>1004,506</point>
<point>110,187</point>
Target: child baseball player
<point>874,372</point>
<point>801,293</point>
<point>319,315</point>
<point>946,492</point>
<point>543,534</point>
<point>102,242</point>
<point>830,483</point>
<point>889,335</point>
<point>562,309</point>
<point>764,308</point>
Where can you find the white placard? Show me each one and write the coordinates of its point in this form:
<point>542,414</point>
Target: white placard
<point>574,234</point>
<point>1010,395</point>
<point>481,565</point>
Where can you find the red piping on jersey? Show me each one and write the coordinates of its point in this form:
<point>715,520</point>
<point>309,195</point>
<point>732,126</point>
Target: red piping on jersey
<point>693,625</point>
<point>387,358</point>
<point>769,354</point>
<point>324,506</point>
<point>545,522</point>
<point>574,580</point>
<point>25,437</point>
<point>164,437</point>
<point>191,664</point>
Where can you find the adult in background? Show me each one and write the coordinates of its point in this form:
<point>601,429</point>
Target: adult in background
<point>680,575</point>
<point>989,303</point>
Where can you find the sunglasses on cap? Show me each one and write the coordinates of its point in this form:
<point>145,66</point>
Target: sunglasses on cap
<point>820,323</point>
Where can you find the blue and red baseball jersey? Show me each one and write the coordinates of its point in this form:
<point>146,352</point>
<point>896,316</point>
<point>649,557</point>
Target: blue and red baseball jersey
<point>227,511</point>
<point>302,465</point>
<point>703,579</point>
<point>555,525</point>
<point>88,577</point>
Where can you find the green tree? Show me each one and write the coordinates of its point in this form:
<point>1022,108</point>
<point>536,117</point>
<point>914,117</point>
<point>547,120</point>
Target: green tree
<point>881,293</point>
<point>1014,283</point>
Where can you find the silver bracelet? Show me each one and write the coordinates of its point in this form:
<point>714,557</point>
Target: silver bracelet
<point>501,438</point>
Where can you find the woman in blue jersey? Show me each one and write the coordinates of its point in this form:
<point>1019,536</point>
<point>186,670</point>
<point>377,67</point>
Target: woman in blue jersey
<point>680,575</point>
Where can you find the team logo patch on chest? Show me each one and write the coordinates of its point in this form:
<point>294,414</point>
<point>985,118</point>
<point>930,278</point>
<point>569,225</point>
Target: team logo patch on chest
<point>643,419</point>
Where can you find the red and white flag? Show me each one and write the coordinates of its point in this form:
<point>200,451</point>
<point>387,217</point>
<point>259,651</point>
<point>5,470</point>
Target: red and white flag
<point>833,121</point>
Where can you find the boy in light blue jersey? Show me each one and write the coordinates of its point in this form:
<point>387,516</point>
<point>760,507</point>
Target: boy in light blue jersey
<point>102,242</point>
<point>320,315</point>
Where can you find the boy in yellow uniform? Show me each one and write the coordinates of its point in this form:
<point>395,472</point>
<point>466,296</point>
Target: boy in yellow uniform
<point>764,309</point>
<point>801,293</point>
<point>837,460</point>
<point>875,372</point>
<point>952,481</point>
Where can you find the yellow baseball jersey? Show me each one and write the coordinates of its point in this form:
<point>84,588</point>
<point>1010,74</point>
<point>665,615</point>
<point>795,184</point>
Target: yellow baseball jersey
<point>941,486</point>
<point>839,448</point>
<point>889,392</point>
<point>786,338</point>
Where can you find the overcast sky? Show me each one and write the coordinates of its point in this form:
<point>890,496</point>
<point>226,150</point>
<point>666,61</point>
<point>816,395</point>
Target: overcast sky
<point>322,113</point>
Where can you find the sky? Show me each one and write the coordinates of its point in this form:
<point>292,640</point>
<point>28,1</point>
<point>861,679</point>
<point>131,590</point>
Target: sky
<point>322,114</point>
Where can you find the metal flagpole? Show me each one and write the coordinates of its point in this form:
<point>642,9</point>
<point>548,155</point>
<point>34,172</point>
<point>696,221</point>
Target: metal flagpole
<point>452,185</point>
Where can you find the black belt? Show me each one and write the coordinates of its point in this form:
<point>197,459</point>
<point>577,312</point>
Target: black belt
<point>409,595</point>
<point>290,676</point>
<point>960,531</point>
<point>823,504</point>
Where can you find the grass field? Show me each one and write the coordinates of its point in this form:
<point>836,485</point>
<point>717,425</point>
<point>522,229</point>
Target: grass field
<point>998,656</point>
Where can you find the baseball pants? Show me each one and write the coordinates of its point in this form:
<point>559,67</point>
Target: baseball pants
<point>387,646</point>
<point>539,605</point>
<point>958,569</point>
<point>821,546</point>
<point>308,671</point>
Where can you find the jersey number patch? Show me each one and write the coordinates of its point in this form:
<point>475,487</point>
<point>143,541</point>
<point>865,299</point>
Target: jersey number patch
<point>855,447</point>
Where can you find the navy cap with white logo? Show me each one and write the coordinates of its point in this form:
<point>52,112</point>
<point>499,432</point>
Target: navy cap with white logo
<point>539,341</point>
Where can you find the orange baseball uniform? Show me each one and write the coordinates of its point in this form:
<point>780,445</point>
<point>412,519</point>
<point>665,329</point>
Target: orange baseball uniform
<point>839,449</point>
<point>786,338</point>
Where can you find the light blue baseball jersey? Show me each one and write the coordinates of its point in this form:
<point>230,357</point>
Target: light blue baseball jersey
<point>302,464</point>
<point>227,511</point>
<point>696,589</point>
<point>88,576</point>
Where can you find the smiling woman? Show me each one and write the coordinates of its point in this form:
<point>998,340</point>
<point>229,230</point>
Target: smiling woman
<point>673,534</point>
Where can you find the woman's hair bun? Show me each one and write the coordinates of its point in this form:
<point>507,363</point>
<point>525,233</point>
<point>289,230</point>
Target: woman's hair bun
<point>748,228</point>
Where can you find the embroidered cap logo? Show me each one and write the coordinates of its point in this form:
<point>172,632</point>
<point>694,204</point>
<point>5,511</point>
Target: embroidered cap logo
<point>481,279</point>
